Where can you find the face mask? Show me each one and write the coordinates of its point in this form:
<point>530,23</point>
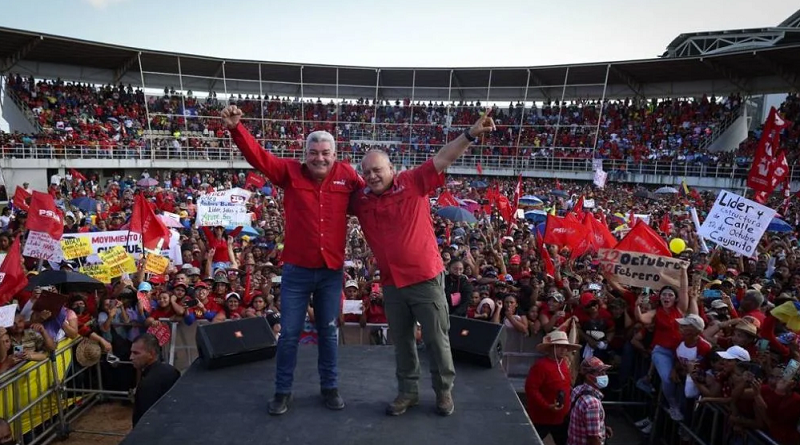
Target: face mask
<point>601,381</point>
<point>78,310</point>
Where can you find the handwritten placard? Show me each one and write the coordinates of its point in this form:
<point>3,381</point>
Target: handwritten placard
<point>156,264</point>
<point>76,247</point>
<point>224,208</point>
<point>40,245</point>
<point>7,314</point>
<point>99,272</point>
<point>353,307</point>
<point>114,256</point>
<point>642,269</point>
<point>736,223</point>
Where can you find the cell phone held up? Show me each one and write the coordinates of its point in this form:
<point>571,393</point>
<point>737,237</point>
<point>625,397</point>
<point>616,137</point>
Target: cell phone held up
<point>560,397</point>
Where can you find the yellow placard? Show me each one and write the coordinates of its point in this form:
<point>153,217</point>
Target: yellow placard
<point>114,256</point>
<point>76,247</point>
<point>99,272</point>
<point>156,264</point>
<point>129,265</point>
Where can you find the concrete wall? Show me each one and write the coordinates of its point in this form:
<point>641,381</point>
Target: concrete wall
<point>733,136</point>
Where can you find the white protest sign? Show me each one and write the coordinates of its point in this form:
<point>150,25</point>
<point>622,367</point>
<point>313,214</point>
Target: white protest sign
<point>224,208</point>
<point>600,178</point>
<point>642,269</point>
<point>597,164</point>
<point>2,258</point>
<point>7,314</point>
<point>40,245</point>
<point>736,223</point>
<point>131,241</point>
<point>588,203</point>
<point>352,307</point>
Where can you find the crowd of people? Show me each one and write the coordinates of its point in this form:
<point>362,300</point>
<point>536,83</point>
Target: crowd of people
<point>711,340</point>
<point>83,120</point>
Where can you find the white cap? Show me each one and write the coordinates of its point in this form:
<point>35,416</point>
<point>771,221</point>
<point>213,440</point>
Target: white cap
<point>735,353</point>
<point>692,320</point>
<point>351,283</point>
<point>718,304</point>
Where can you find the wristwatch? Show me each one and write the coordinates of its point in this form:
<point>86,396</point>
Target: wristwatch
<point>469,137</point>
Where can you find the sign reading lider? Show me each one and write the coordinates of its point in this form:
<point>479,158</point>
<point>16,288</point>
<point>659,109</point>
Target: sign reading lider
<point>225,208</point>
<point>642,269</point>
<point>736,223</point>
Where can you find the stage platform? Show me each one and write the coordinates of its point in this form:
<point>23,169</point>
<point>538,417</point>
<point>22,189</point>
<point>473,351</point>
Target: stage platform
<point>229,406</point>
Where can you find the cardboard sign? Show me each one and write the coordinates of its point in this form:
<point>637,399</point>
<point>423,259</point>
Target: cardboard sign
<point>642,269</point>
<point>50,301</point>
<point>224,208</point>
<point>99,272</point>
<point>736,223</point>
<point>144,300</point>
<point>40,245</point>
<point>7,314</point>
<point>600,178</point>
<point>114,257</point>
<point>352,307</point>
<point>156,264</point>
<point>76,247</point>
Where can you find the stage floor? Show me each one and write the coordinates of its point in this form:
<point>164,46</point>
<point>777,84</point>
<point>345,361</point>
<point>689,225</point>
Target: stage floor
<point>229,406</point>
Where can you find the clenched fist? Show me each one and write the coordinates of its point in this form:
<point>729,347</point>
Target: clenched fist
<point>231,116</point>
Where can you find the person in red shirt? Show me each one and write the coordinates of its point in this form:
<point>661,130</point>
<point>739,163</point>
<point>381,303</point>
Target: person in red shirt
<point>548,387</point>
<point>667,337</point>
<point>395,215</point>
<point>316,196</point>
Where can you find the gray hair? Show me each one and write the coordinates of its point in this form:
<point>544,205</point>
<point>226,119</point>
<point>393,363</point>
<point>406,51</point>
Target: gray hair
<point>755,296</point>
<point>320,136</point>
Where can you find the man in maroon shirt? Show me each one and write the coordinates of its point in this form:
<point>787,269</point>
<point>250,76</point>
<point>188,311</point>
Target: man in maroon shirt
<point>316,195</point>
<point>395,214</point>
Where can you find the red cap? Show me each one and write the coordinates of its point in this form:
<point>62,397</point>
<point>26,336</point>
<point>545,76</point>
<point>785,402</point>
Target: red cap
<point>201,284</point>
<point>158,279</point>
<point>587,298</point>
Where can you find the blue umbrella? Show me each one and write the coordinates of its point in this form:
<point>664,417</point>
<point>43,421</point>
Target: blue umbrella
<point>85,203</point>
<point>561,193</point>
<point>456,214</point>
<point>536,216</point>
<point>541,228</point>
<point>779,225</point>
<point>246,230</point>
<point>479,184</point>
<point>530,200</point>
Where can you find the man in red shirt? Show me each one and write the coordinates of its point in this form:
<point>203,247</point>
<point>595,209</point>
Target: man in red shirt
<point>316,195</point>
<point>395,215</point>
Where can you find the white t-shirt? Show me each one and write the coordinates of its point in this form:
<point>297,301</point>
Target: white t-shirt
<point>687,355</point>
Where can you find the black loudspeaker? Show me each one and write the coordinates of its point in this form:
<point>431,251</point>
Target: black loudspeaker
<point>235,342</point>
<point>476,341</point>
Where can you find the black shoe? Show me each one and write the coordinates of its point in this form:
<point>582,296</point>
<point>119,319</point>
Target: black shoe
<point>332,399</point>
<point>280,404</point>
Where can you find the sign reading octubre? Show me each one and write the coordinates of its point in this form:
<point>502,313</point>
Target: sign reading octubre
<point>642,269</point>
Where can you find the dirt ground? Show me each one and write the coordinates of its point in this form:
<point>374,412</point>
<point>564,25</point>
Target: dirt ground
<point>109,417</point>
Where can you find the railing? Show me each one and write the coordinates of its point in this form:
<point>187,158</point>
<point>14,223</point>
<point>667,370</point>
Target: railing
<point>617,169</point>
<point>25,109</point>
<point>721,126</point>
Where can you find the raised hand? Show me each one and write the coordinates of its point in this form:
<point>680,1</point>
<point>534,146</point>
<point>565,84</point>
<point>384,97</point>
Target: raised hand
<point>231,116</point>
<point>484,125</point>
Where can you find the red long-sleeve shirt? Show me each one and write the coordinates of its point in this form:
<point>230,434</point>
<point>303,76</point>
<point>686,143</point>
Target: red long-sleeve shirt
<point>316,223</point>
<point>541,388</point>
<point>219,244</point>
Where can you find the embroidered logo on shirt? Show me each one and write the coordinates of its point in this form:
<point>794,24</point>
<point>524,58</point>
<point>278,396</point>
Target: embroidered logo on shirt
<point>340,182</point>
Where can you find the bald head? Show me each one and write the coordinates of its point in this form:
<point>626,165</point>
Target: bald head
<point>378,171</point>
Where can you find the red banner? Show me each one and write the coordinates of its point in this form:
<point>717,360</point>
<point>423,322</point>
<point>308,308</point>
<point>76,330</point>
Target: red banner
<point>21,199</point>
<point>645,240</point>
<point>766,159</point>
<point>446,199</point>
<point>12,276</point>
<point>563,231</point>
<point>254,180</point>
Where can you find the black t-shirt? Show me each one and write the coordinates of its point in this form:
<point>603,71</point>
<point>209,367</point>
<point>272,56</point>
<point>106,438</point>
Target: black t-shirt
<point>273,318</point>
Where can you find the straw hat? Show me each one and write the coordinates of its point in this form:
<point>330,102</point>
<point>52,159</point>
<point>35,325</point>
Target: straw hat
<point>555,338</point>
<point>88,353</point>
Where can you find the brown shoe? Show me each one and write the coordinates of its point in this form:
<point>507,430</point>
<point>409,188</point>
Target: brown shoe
<point>401,404</point>
<point>444,403</point>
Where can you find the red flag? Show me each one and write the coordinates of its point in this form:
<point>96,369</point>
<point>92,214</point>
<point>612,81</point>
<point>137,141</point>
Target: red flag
<point>578,208</point>
<point>631,219</point>
<point>254,180</point>
<point>764,162</point>
<point>76,175</point>
<point>601,237</point>
<point>44,216</point>
<point>666,225</point>
<point>645,240</point>
<point>515,205</point>
<point>558,184</point>
<point>504,207</point>
<point>549,267</point>
<point>761,197</point>
<point>21,199</point>
<point>12,275</point>
<point>479,168</point>
<point>563,231</point>
<point>447,234</point>
<point>446,199</point>
<point>145,221</point>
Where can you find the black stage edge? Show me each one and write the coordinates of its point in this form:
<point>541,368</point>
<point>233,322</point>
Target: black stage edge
<point>229,406</point>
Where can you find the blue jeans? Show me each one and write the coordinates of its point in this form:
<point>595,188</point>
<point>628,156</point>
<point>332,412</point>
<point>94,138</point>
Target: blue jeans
<point>297,286</point>
<point>663,359</point>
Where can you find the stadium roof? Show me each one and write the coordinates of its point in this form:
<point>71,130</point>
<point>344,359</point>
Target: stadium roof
<point>771,69</point>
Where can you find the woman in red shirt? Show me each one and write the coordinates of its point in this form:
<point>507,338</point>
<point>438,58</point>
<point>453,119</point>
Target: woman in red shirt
<point>667,336</point>
<point>548,387</point>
